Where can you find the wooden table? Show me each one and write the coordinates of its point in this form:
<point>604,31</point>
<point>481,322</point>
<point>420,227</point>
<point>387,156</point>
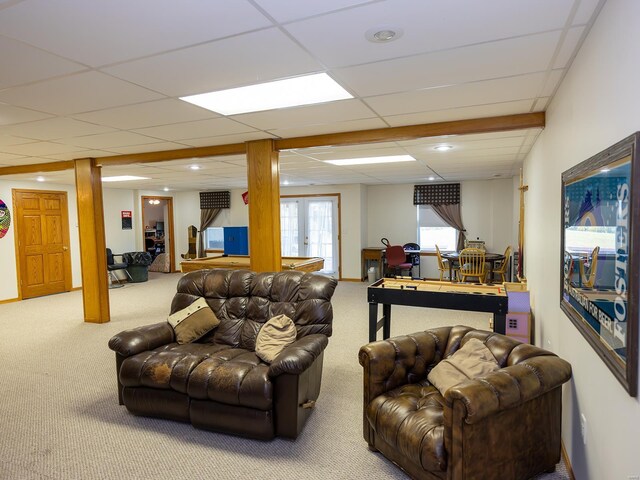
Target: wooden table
<point>434,294</point>
<point>490,258</point>
<point>372,253</point>
<point>242,262</point>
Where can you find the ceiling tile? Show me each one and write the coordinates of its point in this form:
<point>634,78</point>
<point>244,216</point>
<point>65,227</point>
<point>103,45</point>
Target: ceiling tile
<point>10,115</point>
<point>330,112</point>
<point>39,148</point>
<point>149,147</point>
<point>112,139</point>
<point>225,139</point>
<point>29,64</point>
<point>337,127</point>
<point>287,10</point>
<point>77,93</point>
<point>469,94</point>
<point>462,65</point>
<point>427,26</point>
<point>102,32</point>
<point>232,62</point>
<point>569,46</point>
<point>149,114</point>
<point>585,10</point>
<point>199,129</point>
<point>54,128</point>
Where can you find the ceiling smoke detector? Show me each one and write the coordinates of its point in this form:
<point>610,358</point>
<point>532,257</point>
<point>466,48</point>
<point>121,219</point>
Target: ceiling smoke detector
<point>383,34</point>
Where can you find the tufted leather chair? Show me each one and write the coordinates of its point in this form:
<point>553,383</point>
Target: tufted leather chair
<point>504,426</point>
<point>218,382</point>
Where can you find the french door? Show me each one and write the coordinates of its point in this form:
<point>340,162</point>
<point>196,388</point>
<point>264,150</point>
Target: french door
<point>309,228</point>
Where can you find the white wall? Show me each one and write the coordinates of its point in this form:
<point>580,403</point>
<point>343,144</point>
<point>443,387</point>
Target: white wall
<point>596,106</point>
<point>487,212</point>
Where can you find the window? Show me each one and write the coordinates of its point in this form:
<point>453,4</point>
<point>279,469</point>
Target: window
<point>214,238</point>
<point>432,231</point>
<point>582,238</point>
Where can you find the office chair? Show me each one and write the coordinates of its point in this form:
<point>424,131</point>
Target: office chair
<point>112,266</point>
<point>397,259</point>
<point>150,246</point>
<point>472,264</point>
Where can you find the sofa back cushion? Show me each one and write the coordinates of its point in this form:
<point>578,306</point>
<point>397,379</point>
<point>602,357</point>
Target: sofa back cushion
<point>245,300</point>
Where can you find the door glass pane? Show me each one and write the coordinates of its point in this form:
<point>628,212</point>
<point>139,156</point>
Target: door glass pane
<point>289,228</point>
<point>320,232</point>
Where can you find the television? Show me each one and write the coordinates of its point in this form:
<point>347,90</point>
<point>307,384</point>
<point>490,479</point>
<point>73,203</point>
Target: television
<point>159,229</point>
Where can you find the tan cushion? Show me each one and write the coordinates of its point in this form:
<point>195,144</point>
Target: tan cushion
<point>473,360</point>
<point>274,336</point>
<point>192,322</point>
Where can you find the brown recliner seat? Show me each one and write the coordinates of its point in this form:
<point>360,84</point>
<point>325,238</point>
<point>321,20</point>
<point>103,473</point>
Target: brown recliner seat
<point>503,426</point>
<point>218,382</point>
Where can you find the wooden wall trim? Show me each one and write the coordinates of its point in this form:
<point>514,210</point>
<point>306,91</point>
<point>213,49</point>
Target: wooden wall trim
<point>93,258</point>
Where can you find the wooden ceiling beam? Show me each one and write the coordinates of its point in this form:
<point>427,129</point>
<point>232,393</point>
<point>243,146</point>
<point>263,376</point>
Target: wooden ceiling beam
<point>166,155</point>
<point>38,167</point>
<point>412,132</point>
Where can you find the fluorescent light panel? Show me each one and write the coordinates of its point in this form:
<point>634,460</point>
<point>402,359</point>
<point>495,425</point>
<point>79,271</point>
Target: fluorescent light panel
<point>369,160</point>
<point>291,92</point>
<point>123,178</point>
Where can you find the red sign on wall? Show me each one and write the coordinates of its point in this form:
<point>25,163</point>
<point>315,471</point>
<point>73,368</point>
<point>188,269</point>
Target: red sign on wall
<point>126,219</point>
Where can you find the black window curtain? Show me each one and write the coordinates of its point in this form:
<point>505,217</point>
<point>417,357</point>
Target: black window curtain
<point>444,198</point>
<point>211,203</point>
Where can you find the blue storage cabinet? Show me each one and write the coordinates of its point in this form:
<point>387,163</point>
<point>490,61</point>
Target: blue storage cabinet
<point>236,240</point>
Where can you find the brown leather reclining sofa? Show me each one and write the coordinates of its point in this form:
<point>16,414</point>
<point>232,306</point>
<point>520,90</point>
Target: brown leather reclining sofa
<point>218,382</point>
<point>502,426</point>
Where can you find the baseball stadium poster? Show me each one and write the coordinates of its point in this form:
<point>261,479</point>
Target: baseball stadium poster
<point>599,269</point>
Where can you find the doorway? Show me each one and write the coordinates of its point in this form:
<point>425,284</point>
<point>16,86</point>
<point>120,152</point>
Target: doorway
<point>42,242</point>
<point>310,227</point>
<point>157,227</point>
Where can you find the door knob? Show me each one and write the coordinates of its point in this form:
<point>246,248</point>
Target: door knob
<point>65,248</point>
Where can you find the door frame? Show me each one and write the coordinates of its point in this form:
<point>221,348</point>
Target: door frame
<point>337,195</point>
<point>172,238</point>
<point>68,273</point>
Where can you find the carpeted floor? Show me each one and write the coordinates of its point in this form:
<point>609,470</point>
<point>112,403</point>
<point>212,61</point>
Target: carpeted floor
<point>60,418</point>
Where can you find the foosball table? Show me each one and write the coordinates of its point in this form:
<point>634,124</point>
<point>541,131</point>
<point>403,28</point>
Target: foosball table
<point>433,294</point>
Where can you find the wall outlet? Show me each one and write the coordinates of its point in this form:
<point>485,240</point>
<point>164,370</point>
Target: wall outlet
<point>583,428</point>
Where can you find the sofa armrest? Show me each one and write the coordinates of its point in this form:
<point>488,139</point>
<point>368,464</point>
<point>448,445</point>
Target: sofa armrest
<point>136,340</point>
<point>398,361</point>
<point>509,387</point>
<point>298,356</point>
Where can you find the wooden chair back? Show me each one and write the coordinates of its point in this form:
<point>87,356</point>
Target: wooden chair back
<point>588,274</point>
<point>502,268</point>
<point>472,264</point>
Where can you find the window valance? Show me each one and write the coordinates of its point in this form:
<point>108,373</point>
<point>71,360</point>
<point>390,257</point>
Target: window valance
<point>215,200</point>
<point>438,194</point>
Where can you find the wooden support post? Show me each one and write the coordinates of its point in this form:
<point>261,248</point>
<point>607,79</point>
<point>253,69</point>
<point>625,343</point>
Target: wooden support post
<point>93,258</point>
<point>520,272</point>
<point>264,206</point>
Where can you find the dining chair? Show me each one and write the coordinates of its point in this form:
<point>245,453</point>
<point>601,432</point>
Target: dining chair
<point>443,266</point>
<point>112,266</point>
<point>397,259</point>
<point>588,269</point>
<point>472,264</point>
<point>503,266</point>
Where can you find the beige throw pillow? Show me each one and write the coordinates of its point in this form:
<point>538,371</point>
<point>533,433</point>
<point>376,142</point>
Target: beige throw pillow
<point>192,322</point>
<point>274,336</point>
<point>473,360</point>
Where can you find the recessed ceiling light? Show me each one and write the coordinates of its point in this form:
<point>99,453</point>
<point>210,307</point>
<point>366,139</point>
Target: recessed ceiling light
<point>123,178</point>
<point>40,179</point>
<point>166,189</point>
<point>290,92</point>
<point>443,148</point>
<point>285,182</point>
<point>431,179</point>
<point>604,170</point>
<point>369,160</point>
<point>383,34</point>
<point>194,167</point>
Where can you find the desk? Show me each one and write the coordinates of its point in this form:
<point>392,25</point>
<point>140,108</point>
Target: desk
<point>490,258</point>
<point>434,294</point>
<point>242,262</point>
<point>372,253</point>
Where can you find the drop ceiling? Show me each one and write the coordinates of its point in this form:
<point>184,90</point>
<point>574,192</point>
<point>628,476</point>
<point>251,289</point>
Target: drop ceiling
<point>102,77</point>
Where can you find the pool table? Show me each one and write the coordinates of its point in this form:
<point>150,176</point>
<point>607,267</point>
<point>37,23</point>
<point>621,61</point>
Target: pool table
<point>241,262</point>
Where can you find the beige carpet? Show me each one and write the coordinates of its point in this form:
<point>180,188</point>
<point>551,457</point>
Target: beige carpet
<point>60,418</point>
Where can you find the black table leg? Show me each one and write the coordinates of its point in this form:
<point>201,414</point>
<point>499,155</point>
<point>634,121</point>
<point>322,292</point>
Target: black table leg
<point>386,326</point>
<point>373,321</point>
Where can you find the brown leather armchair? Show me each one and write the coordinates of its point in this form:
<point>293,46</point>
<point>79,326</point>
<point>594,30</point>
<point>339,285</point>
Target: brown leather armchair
<point>218,382</point>
<point>505,425</point>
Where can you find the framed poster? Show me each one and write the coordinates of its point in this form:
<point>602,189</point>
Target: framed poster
<point>599,268</point>
<point>126,219</point>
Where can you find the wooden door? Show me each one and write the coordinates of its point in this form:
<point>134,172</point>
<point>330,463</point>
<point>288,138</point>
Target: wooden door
<point>42,231</point>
